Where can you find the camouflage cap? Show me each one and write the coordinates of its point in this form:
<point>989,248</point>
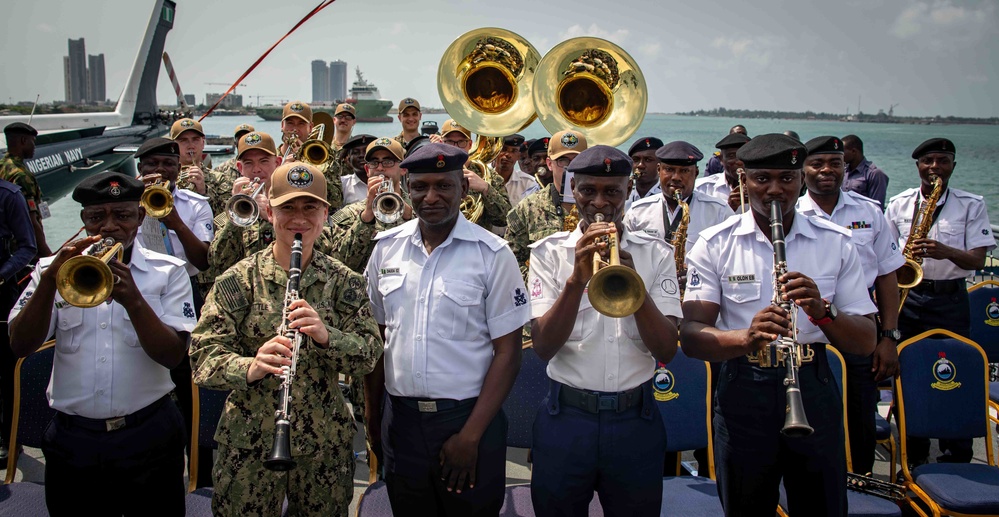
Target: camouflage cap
<point>345,108</point>
<point>566,142</point>
<point>256,140</point>
<point>241,130</point>
<point>450,126</point>
<point>409,102</point>
<point>389,144</point>
<point>185,124</point>
<point>297,179</point>
<point>297,109</point>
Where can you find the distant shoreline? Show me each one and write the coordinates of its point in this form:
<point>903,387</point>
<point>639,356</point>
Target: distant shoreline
<point>880,118</point>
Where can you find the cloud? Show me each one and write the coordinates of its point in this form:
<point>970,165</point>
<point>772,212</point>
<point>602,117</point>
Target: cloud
<point>397,28</point>
<point>737,47</point>
<point>650,50</point>
<point>940,21</point>
<point>617,37</point>
<point>44,27</point>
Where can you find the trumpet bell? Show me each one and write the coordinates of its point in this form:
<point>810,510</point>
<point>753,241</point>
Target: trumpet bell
<point>485,81</point>
<point>910,274</point>
<point>387,207</point>
<point>324,119</point>
<point>242,210</point>
<point>592,86</point>
<point>616,291</point>
<point>86,280</point>
<point>157,201</point>
<point>315,152</point>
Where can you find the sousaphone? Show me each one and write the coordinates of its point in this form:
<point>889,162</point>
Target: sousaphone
<point>592,86</point>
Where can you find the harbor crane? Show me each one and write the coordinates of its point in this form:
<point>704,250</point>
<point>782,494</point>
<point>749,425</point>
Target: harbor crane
<point>227,85</point>
<point>891,110</point>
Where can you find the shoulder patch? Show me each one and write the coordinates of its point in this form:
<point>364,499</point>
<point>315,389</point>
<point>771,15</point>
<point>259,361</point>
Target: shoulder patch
<point>345,216</point>
<point>230,294</point>
<point>221,220</point>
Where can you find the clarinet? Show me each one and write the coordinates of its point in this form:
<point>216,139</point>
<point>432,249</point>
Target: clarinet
<point>280,456</point>
<point>787,348</point>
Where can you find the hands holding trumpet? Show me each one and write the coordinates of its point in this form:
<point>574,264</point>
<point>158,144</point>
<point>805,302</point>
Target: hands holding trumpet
<point>378,185</point>
<point>247,186</point>
<point>171,219</point>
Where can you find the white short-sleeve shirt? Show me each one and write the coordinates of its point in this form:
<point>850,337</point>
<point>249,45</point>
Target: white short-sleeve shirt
<point>732,265</point>
<point>442,310</point>
<point>100,369</point>
<point>194,210</point>
<point>602,353</point>
<point>715,186</point>
<point>963,223</point>
<point>878,248</point>
<point>354,189</point>
<point>518,186</point>
<point>646,215</point>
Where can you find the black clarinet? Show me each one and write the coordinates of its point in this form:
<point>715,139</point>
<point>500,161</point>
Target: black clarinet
<point>788,348</point>
<point>280,456</point>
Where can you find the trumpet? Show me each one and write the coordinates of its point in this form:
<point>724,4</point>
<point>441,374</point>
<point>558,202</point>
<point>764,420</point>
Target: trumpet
<point>157,200</point>
<point>242,208</point>
<point>86,280</point>
<point>314,151</point>
<point>614,290</point>
<point>387,205</point>
<point>280,457</point>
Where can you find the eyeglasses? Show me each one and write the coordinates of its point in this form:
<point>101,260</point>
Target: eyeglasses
<point>458,143</point>
<point>343,116</point>
<point>386,163</point>
<point>563,162</point>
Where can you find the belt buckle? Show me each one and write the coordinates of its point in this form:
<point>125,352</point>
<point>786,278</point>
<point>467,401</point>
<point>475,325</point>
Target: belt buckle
<point>427,406</point>
<point>608,403</point>
<point>113,424</point>
<point>768,357</point>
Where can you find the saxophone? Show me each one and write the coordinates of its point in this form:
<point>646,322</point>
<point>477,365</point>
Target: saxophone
<point>679,241</point>
<point>571,220</point>
<point>873,486</point>
<point>911,273</point>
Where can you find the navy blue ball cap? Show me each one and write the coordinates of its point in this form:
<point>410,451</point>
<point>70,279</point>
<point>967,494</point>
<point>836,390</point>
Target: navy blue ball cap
<point>732,140</point>
<point>158,145</point>
<point>679,153</point>
<point>434,157</point>
<point>772,151</point>
<point>934,145</point>
<point>539,146</point>
<point>19,128</point>
<point>645,144</point>
<point>108,187</point>
<point>601,160</point>
<point>824,145</point>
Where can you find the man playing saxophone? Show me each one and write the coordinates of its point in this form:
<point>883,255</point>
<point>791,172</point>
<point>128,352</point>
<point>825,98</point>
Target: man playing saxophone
<point>954,247</point>
<point>731,314</point>
<point>236,347</point>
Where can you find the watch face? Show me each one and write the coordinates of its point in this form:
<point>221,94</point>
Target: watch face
<point>831,311</point>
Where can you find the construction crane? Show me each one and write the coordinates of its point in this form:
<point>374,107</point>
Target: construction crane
<point>279,98</point>
<point>227,85</point>
<point>891,110</point>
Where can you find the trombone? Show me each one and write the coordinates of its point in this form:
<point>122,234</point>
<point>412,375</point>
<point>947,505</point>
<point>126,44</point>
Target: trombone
<point>242,208</point>
<point>387,205</point>
<point>86,280</point>
<point>614,290</point>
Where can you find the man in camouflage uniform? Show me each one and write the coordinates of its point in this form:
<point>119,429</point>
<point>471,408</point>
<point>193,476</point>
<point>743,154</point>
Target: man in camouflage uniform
<point>409,116</point>
<point>218,183</point>
<point>296,119</point>
<point>543,212</point>
<point>190,137</point>
<point>491,190</point>
<point>344,119</point>
<point>20,146</point>
<point>237,346</point>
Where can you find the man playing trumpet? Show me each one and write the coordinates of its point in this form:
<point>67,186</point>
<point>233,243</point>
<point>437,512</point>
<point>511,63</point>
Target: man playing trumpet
<point>115,423</point>
<point>296,126</point>
<point>236,346</point>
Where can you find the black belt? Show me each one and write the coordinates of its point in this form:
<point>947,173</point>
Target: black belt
<point>431,405</point>
<point>111,424</point>
<point>597,401</point>
<point>942,286</point>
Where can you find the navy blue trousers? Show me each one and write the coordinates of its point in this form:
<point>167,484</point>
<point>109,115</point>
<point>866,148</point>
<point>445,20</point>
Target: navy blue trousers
<point>752,456</point>
<point>617,454</point>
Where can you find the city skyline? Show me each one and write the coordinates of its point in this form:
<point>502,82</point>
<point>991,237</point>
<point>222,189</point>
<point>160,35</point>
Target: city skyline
<point>84,74</point>
<point>925,57</point>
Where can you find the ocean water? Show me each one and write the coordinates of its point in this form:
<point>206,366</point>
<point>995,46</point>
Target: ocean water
<point>889,146</point>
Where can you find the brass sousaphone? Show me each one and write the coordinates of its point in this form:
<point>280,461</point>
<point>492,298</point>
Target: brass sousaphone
<point>592,86</point>
<point>484,80</point>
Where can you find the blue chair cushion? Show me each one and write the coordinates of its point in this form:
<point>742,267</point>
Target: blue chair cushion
<point>970,488</point>
<point>690,496</point>
<point>994,392</point>
<point>516,502</point>
<point>199,503</point>
<point>866,505</point>
<point>882,428</point>
<point>20,499</point>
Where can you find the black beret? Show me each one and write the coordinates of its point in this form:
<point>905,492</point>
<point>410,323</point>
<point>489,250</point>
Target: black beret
<point>513,140</point>
<point>20,128</point>
<point>732,140</point>
<point>527,145</point>
<point>539,146</point>
<point>108,187</point>
<point>601,160</point>
<point>934,145</point>
<point>417,143</point>
<point>356,141</point>
<point>435,157</point>
<point>792,134</point>
<point>679,153</point>
<point>773,151</point>
<point>824,145</point>
<point>644,144</point>
<point>158,145</point>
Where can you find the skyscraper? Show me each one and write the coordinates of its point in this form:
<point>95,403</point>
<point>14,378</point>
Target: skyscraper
<point>96,91</point>
<point>338,80</point>
<point>77,72</point>
<point>320,82</point>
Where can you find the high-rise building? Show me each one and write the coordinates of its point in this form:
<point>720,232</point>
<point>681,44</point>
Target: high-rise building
<point>96,91</point>
<point>320,82</point>
<point>67,84</point>
<point>338,80</point>
<point>77,72</point>
<point>231,101</point>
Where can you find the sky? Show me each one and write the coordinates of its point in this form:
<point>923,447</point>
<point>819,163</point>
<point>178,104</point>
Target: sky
<point>930,57</point>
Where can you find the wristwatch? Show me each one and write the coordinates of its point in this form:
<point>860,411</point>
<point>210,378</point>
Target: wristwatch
<point>831,313</point>
<point>894,334</point>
